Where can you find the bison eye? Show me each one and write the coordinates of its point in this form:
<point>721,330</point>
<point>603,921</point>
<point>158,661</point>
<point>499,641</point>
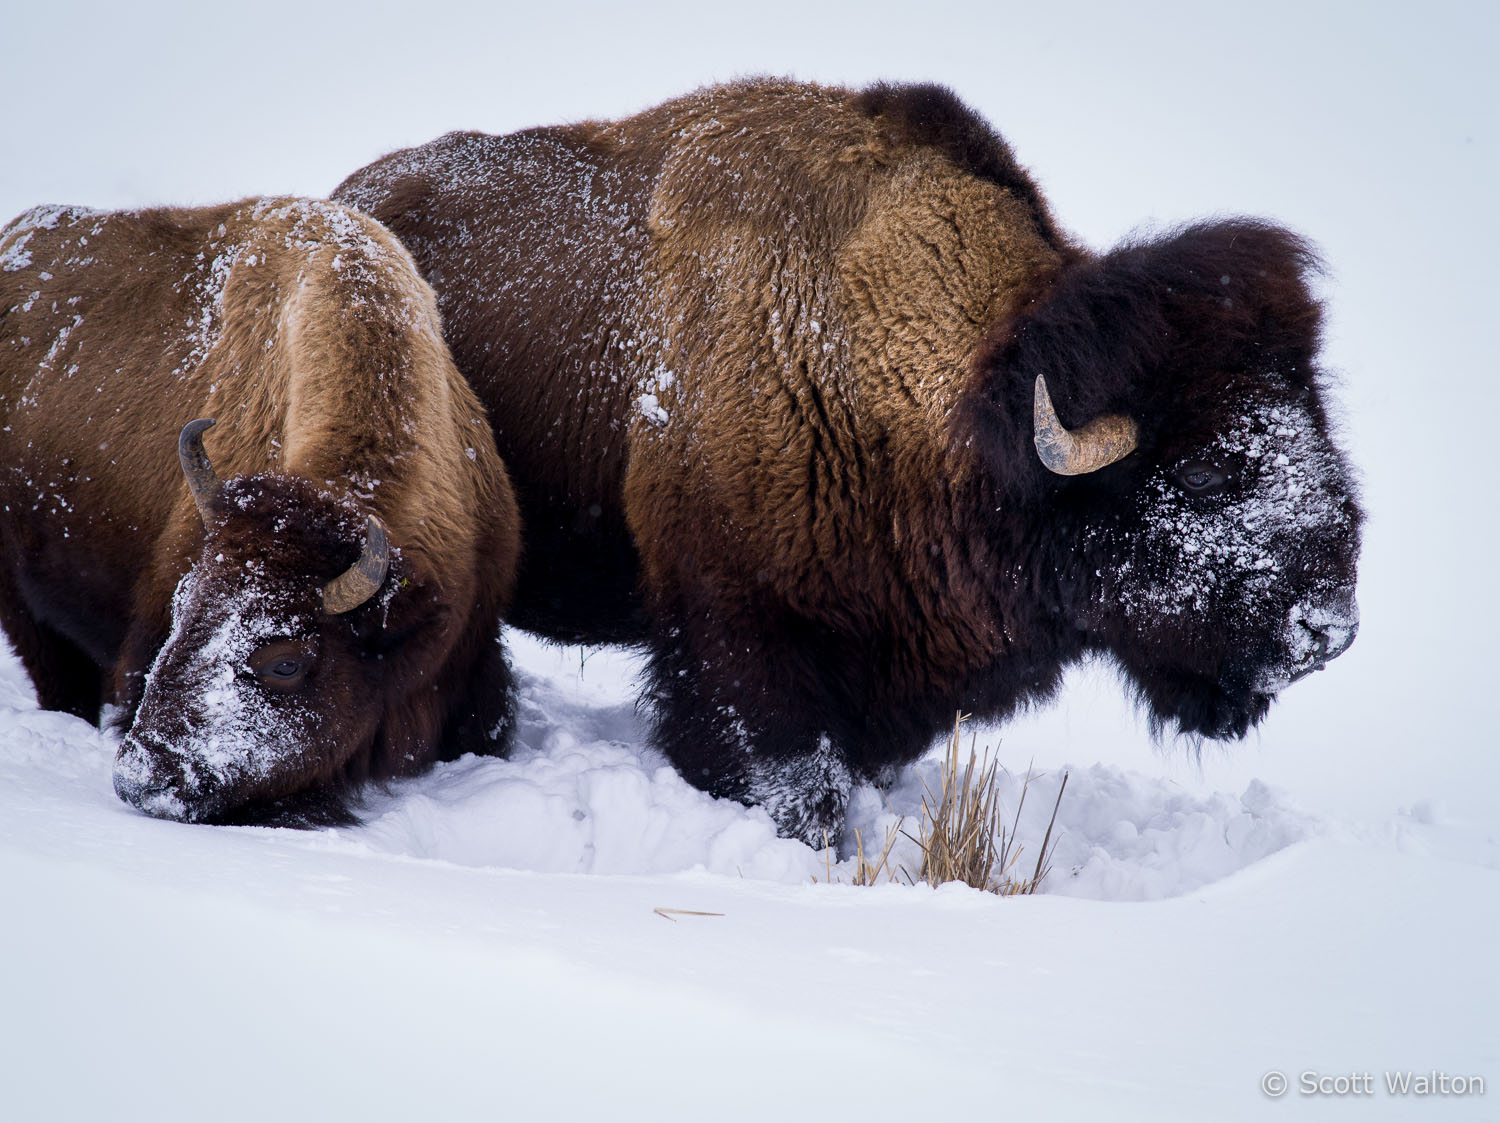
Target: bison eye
<point>1199,477</point>
<point>282,665</point>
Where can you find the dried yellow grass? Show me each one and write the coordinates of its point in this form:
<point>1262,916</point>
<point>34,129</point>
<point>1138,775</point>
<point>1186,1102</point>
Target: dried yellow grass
<point>963,834</point>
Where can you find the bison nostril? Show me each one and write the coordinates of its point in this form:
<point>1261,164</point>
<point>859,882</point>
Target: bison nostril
<point>1326,632</point>
<point>1320,646</point>
<point>155,797</point>
<point>141,781</point>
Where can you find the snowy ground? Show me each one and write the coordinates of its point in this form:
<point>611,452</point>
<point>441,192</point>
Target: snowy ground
<point>1321,898</point>
<point>487,946</point>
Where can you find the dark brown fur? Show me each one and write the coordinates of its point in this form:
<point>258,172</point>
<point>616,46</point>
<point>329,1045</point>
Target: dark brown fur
<point>761,362</point>
<point>305,330</point>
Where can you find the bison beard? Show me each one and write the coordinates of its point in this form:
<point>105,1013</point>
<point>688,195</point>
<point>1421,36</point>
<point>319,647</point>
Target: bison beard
<point>775,367</point>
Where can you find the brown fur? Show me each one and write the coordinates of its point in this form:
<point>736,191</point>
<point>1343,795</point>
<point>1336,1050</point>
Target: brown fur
<point>305,330</point>
<point>863,221</point>
<point>739,350</point>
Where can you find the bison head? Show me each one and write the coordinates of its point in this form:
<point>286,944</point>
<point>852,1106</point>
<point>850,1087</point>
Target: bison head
<point>1203,527</point>
<point>286,634</point>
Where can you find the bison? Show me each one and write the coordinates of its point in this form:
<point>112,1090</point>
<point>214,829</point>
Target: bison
<point>317,603</point>
<point>804,389</point>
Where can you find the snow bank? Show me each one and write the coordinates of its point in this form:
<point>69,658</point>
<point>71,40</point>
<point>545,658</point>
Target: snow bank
<point>460,956</point>
<point>583,794</point>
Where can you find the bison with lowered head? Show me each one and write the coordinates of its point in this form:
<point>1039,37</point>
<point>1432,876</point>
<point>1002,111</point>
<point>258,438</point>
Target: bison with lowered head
<point>311,600</point>
<point>803,388</point>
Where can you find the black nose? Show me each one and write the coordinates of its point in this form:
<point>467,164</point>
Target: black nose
<point>150,782</point>
<point>1330,640</point>
<point>1320,645</point>
<point>153,796</point>
<point>1333,642</point>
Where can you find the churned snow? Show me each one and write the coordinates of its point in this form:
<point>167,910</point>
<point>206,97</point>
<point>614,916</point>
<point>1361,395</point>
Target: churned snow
<point>584,794</point>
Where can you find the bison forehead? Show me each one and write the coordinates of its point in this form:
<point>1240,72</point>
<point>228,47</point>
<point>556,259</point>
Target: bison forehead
<point>1287,495</point>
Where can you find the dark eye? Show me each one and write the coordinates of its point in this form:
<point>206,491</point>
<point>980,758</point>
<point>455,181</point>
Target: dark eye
<point>1199,477</point>
<point>282,665</point>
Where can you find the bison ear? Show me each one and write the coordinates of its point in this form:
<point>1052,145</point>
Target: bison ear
<point>408,606</point>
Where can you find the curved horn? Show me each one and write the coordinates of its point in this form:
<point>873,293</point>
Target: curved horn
<point>361,580</point>
<point>1086,449</point>
<point>196,466</point>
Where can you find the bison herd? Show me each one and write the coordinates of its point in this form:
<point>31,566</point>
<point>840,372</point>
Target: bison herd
<point>799,389</point>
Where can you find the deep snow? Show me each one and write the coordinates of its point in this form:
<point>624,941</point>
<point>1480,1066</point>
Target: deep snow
<point>487,945</point>
<point>1322,897</point>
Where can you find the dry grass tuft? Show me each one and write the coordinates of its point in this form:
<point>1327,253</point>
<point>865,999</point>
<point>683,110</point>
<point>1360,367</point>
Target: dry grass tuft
<point>878,871</point>
<point>869,868</point>
<point>963,836</point>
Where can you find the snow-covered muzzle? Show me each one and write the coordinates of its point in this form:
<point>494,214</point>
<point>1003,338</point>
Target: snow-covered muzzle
<point>207,730</point>
<point>1313,634</point>
<point>1216,602</point>
<point>258,696</point>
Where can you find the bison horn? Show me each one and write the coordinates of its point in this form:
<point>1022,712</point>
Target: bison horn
<point>1088,448</point>
<point>196,466</point>
<point>361,580</point>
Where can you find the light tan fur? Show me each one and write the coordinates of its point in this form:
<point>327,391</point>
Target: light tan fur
<point>303,327</point>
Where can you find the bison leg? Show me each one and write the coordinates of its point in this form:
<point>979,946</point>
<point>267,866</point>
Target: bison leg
<point>482,718</point>
<point>65,678</point>
<point>70,681</point>
<point>744,722</point>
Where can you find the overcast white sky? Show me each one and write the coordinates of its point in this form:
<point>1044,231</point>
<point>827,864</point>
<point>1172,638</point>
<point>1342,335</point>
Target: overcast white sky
<point>1371,128</point>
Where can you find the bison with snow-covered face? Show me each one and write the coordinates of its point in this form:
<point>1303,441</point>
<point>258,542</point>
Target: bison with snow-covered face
<point>318,601</point>
<point>803,388</point>
<point>1212,550</point>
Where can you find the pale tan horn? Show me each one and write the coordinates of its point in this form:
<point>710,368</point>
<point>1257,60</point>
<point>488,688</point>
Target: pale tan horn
<point>1088,448</point>
<point>363,579</point>
<point>202,481</point>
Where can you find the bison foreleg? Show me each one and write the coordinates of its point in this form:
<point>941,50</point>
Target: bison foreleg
<point>742,724</point>
<point>483,715</point>
<point>65,678</point>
